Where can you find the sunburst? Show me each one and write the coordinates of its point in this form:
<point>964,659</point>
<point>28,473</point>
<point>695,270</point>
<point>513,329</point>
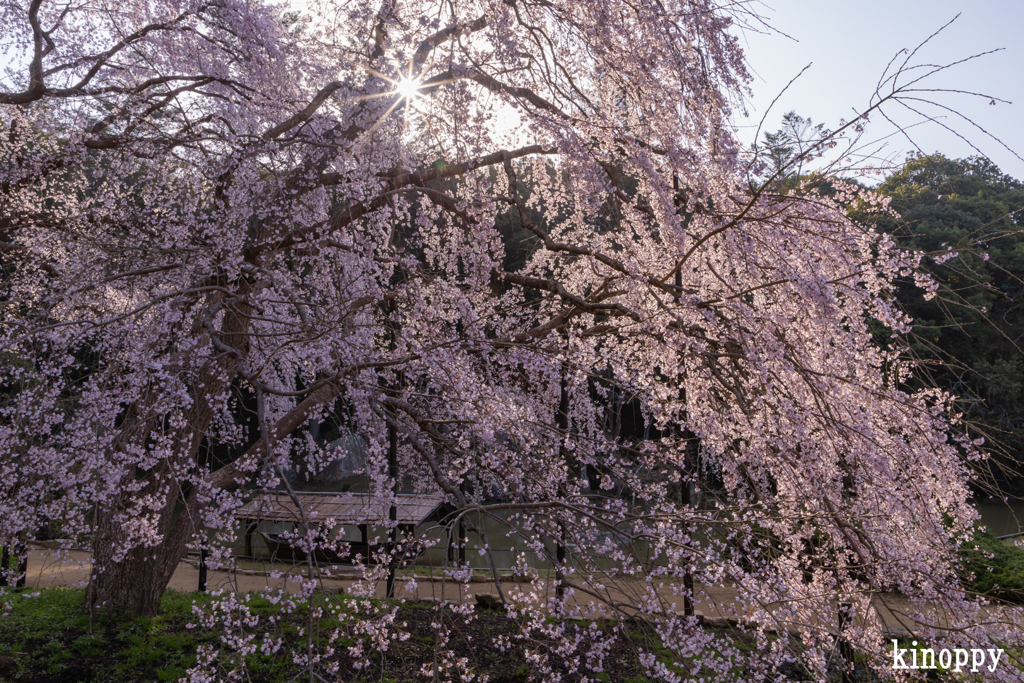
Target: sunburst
<point>408,88</point>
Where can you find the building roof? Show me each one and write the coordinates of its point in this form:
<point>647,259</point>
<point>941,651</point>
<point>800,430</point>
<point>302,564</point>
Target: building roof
<point>343,508</point>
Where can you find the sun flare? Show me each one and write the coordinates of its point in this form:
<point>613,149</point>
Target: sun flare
<point>408,88</point>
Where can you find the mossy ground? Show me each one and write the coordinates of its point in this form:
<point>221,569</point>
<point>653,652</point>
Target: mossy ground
<point>48,637</point>
<point>51,638</point>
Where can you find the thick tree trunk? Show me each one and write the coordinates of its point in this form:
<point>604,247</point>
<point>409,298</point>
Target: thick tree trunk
<point>127,575</point>
<point>130,577</point>
<point>135,583</point>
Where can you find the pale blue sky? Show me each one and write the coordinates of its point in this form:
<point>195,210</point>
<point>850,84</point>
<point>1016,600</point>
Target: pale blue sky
<point>850,43</point>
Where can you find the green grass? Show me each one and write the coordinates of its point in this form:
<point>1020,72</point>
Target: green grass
<point>52,634</point>
<point>50,638</point>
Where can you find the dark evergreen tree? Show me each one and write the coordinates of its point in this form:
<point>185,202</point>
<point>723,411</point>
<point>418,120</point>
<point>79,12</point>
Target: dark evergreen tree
<point>967,214</point>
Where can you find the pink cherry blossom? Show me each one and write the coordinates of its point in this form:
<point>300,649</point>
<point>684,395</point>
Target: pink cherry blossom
<point>221,222</point>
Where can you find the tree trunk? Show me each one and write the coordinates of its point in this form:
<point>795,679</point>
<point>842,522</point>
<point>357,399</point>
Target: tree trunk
<point>135,584</point>
<point>132,579</point>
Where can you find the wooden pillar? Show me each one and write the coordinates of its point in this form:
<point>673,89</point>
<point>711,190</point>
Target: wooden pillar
<point>845,649</point>
<point>202,569</point>
<point>5,563</point>
<point>562,422</point>
<point>248,537</point>
<point>393,512</point>
<point>685,499</point>
<point>393,458</point>
<point>560,571</point>
<point>463,542</point>
<point>456,544</point>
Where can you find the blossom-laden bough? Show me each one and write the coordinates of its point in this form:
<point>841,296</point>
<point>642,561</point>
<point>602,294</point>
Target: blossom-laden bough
<point>221,221</point>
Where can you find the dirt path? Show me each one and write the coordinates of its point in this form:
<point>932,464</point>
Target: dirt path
<point>46,569</point>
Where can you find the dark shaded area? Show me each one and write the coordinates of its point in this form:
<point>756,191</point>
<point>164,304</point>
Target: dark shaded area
<point>971,334</point>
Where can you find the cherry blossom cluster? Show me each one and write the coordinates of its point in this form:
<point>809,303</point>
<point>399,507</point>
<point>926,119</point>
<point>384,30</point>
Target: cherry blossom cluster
<point>470,236</point>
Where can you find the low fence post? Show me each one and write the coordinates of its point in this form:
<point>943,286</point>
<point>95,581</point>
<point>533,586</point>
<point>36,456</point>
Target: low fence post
<point>845,649</point>
<point>202,569</point>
